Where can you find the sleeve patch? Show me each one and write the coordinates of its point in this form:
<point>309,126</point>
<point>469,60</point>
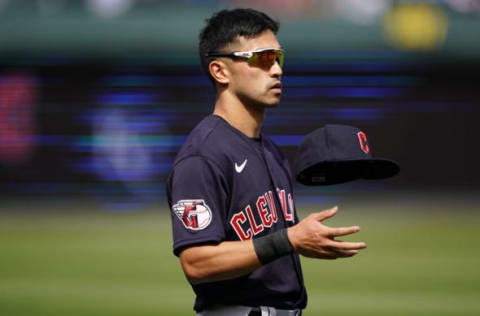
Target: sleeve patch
<point>194,214</point>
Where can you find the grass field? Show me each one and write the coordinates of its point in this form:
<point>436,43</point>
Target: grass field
<point>72,259</point>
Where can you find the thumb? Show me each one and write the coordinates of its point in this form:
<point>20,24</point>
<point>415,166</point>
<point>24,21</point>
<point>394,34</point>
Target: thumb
<point>323,215</point>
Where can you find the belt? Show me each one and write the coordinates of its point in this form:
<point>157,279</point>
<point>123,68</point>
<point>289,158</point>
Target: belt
<point>238,310</point>
<point>272,311</point>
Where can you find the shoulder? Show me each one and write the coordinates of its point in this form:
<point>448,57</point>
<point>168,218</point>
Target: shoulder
<point>213,140</point>
<point>194,173</point>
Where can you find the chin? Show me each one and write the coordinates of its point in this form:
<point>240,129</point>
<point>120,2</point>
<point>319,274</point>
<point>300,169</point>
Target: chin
<point>261,103</point>
<point>273,103</point>
<point>271,100</point>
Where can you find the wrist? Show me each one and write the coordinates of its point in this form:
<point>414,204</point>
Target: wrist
<point>291,236</point>
<point>273,246</point>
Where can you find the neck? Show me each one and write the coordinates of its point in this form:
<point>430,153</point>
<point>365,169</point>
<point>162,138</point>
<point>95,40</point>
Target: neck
<point>246,118</point>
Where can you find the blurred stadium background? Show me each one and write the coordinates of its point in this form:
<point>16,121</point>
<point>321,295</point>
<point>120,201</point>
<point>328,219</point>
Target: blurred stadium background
<point>96,96</point>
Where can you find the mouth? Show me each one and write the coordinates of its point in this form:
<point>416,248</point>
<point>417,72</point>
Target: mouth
<point>277,87</point>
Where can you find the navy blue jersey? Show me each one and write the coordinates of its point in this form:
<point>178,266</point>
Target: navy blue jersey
<point>225,186</point>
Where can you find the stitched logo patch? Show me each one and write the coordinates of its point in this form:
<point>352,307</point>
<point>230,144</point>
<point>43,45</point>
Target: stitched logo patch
<point>194,214</point>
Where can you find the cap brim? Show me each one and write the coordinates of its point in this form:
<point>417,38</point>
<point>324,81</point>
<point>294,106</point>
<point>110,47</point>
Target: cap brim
<point>341,171</point>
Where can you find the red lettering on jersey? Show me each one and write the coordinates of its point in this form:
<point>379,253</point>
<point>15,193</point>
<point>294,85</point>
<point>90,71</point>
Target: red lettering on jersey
<point>271,205</point>
<point>256,228</point>
<point>263,211</point>
<point>289,215</point>
<point>237,220</point>
<point>283,199</point>
<point>362,137</point>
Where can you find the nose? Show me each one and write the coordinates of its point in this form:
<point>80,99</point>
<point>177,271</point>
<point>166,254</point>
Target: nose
<point>276,70</point>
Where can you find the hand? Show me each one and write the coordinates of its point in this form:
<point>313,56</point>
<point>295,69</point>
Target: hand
<point>311,238</point>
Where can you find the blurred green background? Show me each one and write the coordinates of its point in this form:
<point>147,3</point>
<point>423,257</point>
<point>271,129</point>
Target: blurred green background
<point>422,259</point>
<point>96,97</point>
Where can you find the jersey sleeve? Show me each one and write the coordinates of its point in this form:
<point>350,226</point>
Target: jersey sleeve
<point>198,197</point>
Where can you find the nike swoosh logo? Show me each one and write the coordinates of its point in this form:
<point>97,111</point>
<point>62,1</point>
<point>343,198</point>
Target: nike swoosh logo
<point>240,168</point>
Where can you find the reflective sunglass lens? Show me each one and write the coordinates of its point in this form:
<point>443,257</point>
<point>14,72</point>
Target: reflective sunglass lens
<point>267,58</point>
<point>280,58</point>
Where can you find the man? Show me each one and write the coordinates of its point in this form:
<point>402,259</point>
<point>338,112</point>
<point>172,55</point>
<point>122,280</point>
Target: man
<point>234,222</point>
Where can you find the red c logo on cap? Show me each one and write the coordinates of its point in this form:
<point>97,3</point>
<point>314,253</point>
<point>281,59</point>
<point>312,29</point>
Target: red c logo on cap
<point>362,137</point>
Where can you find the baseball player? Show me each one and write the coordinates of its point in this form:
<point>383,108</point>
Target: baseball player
<point>235,226</point>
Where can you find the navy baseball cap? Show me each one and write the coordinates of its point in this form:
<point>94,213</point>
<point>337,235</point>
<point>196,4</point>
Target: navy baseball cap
<point>339,153</point>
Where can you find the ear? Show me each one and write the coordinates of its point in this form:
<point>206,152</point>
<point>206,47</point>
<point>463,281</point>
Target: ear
<point>219,71</point>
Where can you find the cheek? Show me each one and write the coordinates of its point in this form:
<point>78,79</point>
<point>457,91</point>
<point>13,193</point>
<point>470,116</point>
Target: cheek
<point>247,84</point>
<point>250,81</point>
<point>255,83</point>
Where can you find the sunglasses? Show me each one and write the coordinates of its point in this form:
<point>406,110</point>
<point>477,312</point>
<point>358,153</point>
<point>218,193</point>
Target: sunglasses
<point>264,57</point>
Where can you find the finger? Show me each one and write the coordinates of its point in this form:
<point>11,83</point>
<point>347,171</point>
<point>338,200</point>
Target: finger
<point>328,253</point>
<point>346,245</point>
<point>321,216</point>
<point>345,253</point>
<point>328,257</point>
<point>342,231</point>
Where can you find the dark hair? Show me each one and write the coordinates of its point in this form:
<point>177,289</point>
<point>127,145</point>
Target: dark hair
<point>225,26</point>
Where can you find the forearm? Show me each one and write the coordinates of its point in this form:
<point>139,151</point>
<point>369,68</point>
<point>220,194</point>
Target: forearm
<point>227,260</point>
